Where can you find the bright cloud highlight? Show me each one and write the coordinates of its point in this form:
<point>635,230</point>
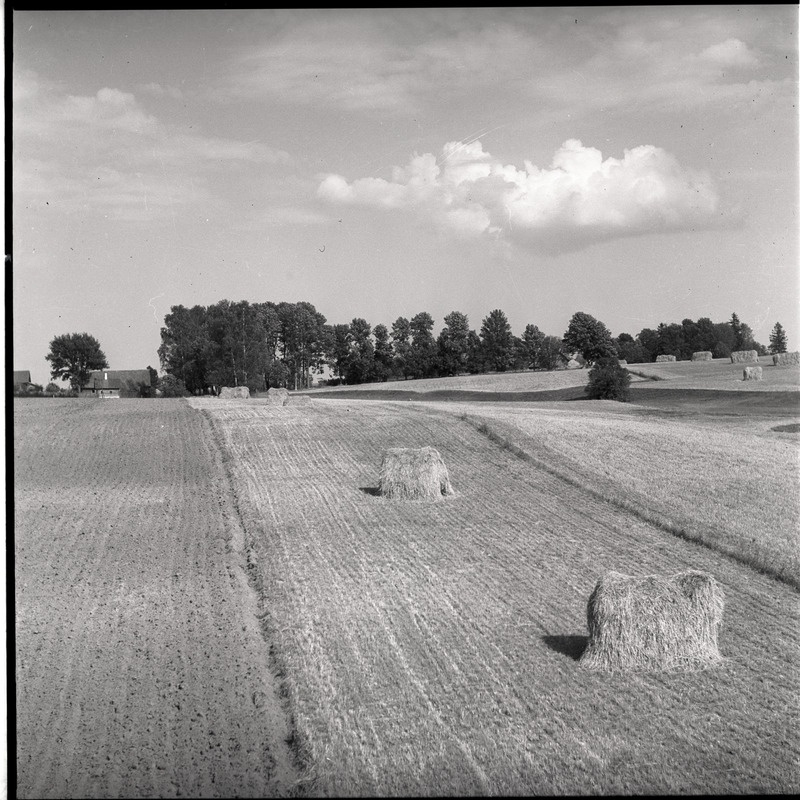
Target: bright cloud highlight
<point>580,196</point>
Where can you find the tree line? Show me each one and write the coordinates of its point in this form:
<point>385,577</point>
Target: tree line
<point>264,345</point>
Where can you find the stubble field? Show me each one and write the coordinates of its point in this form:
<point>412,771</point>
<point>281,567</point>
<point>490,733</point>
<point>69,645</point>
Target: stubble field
<point>140,667</point>
<point>431,648</point>
<point>420,648</point>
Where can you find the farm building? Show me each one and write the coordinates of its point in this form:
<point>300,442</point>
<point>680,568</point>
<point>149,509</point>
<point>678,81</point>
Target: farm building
<point>110,383</point>
<point>22,378</point>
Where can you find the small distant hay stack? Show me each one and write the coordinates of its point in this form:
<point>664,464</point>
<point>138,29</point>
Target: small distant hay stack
<point>573,364</point>
<point>234,392</point>
<point>277,396</point>
<point>654,623</point>
<point>414,474</point>
<point>753,374</point>
<point>702,355</point>
<point>743,356</point>
<point>661,359</point>
<point>786,359</point>
<point>623,362</point>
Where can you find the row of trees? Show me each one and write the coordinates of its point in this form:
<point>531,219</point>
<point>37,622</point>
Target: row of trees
<point>261,345</point>
<point>681,340</point>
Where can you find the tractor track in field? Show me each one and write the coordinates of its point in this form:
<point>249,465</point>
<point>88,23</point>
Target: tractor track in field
<point>141,669</point>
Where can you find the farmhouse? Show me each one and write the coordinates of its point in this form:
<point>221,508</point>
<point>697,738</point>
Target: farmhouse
<point>108,383</point>
<point>22,379</point>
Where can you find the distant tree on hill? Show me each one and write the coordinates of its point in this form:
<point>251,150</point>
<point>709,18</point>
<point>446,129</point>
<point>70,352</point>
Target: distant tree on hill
<point>453,343</point>
<point>498,343</point>
<point>551,353</point>
<point>590,337</point>
<point>530,344</point>
<point>777,339</point>
<point>361,358</point>
<point>170,386</point>
<point>73,357</point>
<point>608,380</point>
<point>423,353</point>
<point>630,350</point>
<point>383,353</point>
<point>739,334</point>
<point>401,345</point>
<point>475,359</point>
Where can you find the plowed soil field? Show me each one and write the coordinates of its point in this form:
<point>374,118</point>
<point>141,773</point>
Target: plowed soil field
<point>432,648</point>
<point>140,666</point>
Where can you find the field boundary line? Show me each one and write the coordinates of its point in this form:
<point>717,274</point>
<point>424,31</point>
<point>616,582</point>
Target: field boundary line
<point>655,518</point>
<point>291,758</point>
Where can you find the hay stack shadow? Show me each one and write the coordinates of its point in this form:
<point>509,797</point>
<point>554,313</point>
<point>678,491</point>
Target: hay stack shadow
<point>414,474</point>
<point>572,646</point>
<point>654,623</point>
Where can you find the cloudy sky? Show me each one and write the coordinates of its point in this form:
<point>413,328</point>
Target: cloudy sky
<point>636,163</point>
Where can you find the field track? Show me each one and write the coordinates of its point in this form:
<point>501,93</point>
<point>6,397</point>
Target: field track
<point>430,648</point>
<point>140,666</point>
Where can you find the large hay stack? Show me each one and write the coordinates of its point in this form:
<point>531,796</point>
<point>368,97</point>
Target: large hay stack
<point>786,359</point>
<point>654,623</point>
<point>660,359</point>
<point>234,392</point>
<point>752,374</point>
<point>702,355</point>
<point>743,356</point>
<point>414,474</point>
<point>277,396</point>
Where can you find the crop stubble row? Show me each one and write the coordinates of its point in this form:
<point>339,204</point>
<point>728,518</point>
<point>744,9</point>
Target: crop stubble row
<point>430,647</point>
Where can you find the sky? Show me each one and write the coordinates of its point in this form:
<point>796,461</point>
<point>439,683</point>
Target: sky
<point>636,163</point>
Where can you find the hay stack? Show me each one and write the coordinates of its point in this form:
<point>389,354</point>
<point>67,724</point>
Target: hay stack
<point>623,362</point>
<point>654,623</point>
<point>233,392</point>
<point>665,358</point>
<point>414,474</point>
<point>277,396</point>
<point>742,356</point>
<point>702,355</point>
<point>786,359</point>
<point>573,364</point>
<point>752,374</point>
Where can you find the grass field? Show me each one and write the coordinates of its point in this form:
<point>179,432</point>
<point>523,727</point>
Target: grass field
<point>180,564</point>
<point>431,648</point>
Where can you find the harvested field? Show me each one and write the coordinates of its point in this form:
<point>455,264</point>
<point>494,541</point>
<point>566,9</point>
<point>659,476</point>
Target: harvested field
<point>140,666</point>
<point>730,485</point>
<point>432,648</point>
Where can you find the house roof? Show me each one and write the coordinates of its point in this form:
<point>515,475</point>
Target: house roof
<point>117,378</point>
<point>22,376</point>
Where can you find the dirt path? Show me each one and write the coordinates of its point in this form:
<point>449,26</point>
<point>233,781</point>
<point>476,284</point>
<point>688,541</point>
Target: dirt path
<point>141,670</point>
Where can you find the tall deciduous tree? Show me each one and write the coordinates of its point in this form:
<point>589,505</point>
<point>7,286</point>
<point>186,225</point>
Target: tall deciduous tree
<point>401,345</point>
<point>73,356</point>
<point>498,342</point>
<point>383,353</point>
<point>777,339</point>
<point>590,337</point>
<point>532,339</point>
<point>452,342</point>
<point>423,352</point>
<point>184,346</point>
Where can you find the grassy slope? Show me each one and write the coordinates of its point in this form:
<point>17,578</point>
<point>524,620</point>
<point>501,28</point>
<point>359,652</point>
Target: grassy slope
<point>430,648</point>
<point>731,487</point>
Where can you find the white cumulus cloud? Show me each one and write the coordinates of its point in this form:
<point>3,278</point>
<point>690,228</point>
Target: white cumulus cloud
<point>580,197</point>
